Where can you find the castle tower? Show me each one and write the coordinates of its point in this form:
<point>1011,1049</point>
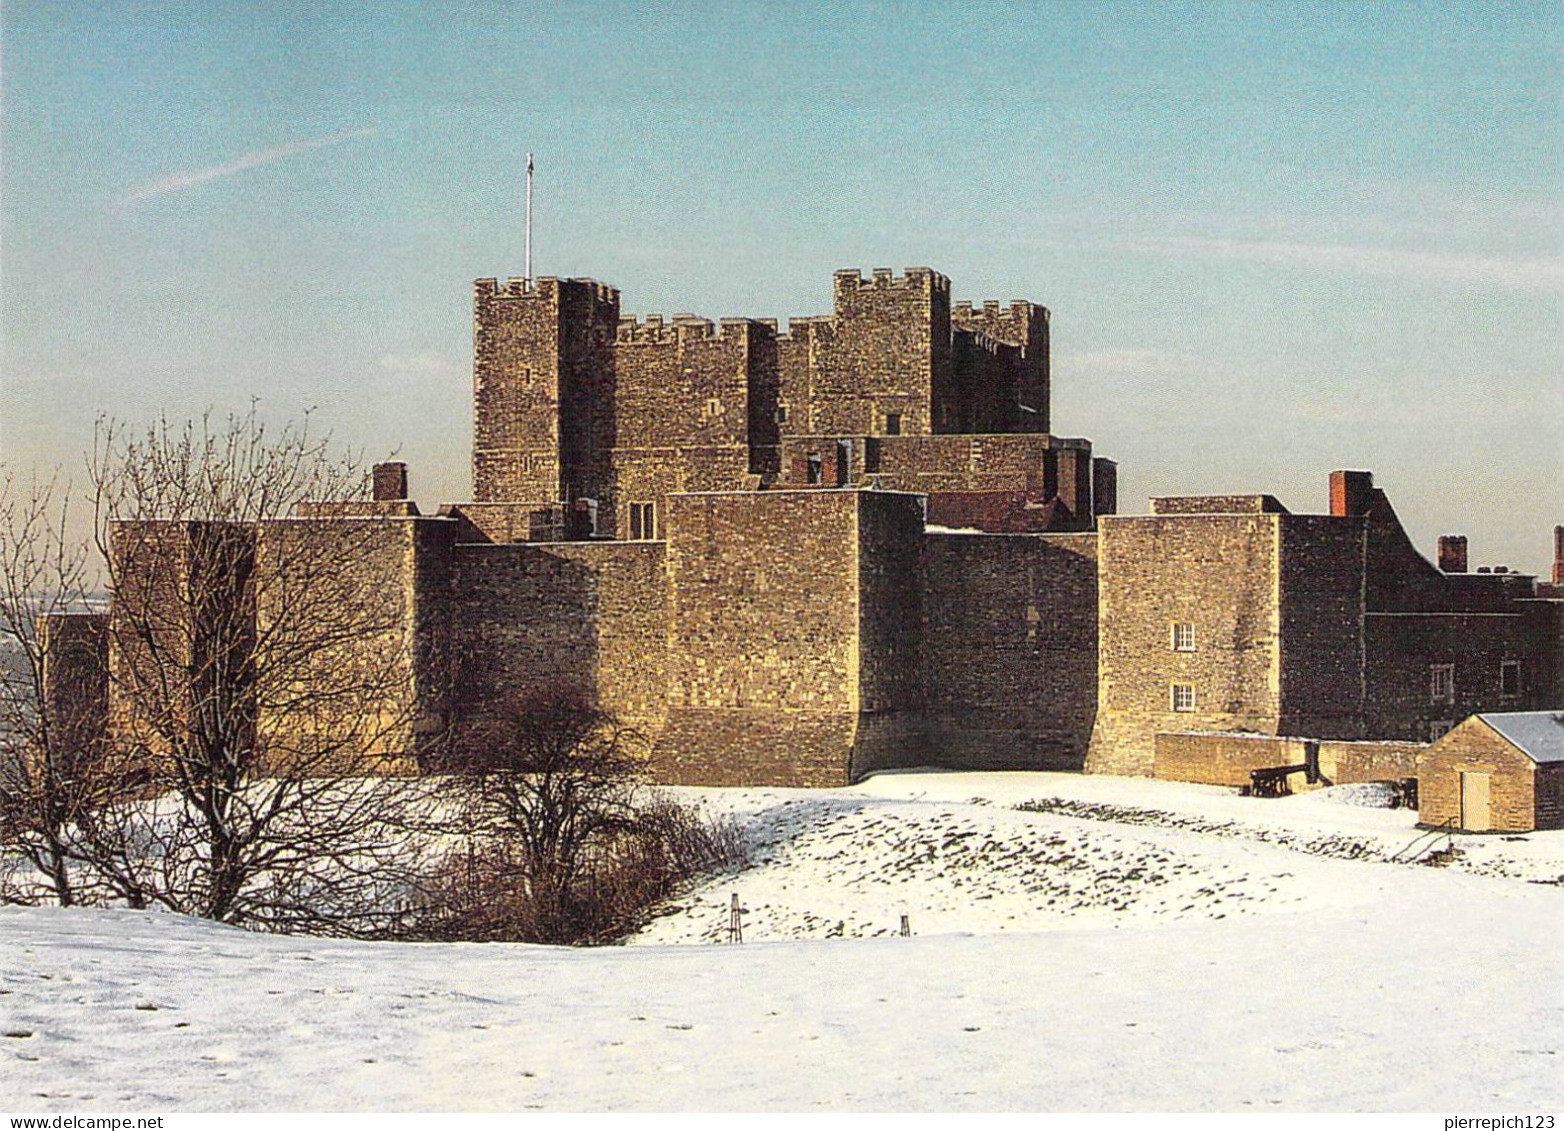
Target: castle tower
<point>543,368</point>
<point>889,347</point>
<point>999,380</point>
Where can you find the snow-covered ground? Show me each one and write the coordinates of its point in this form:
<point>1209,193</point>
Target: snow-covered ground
<point>1115,945</point>
<point>1004,852</point>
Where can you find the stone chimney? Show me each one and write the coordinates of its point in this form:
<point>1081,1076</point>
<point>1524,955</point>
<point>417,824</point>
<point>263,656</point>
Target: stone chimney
<point>1105,486</point>
<point>1452,553</point>
<point>1350,492</point>
<point>390,482</point>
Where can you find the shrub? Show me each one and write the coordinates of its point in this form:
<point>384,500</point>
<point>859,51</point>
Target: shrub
<point>564,840</point>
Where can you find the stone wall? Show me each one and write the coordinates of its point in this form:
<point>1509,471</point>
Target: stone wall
<point>891,634</point>
<point>1320,596</point>
<point>1010,671</point>
<point>766,638</point>
<point>1343,763</point>
<point>507,522</point>
<point>1009,512</point>
<point>1330,626</point>
<point>970,463</point>
<point>1401,649</point>
<point>1105,486</point>
<point>74,649</point>
<point>1221,758</point>
<point>1001,483</point>
<point>890,337</point>
<point>832,616</point>
<point>351,640</point>
<point>795,374</point>
<point>589,402</point>
<point>355,508</point>
<point>1416,617</point>
<point>515,390</point>
<point>1215,504</point>
<point>181,630</point>
<point>1544,675</point>
<point>1212,758</point>
<point>999,370</point>
<point>682,412</point>
<point>1548,793</point>
<point>1217,573</point>
<point>587,618</point>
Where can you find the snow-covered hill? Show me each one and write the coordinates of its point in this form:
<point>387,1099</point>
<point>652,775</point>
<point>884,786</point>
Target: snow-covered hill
<point>1132,945</point>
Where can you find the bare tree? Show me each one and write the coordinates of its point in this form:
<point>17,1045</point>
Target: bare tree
<point>52,751</point>
<point>260,677</point>
<point>566,842</point>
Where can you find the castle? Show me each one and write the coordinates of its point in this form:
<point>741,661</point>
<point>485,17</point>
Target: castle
<point>794,558</point>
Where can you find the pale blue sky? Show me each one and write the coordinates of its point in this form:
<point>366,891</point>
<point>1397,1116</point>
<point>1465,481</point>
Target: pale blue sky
<point>1276,239</point>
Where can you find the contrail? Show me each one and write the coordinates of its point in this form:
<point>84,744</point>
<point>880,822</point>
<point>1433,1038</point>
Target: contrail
<point>178,182</point>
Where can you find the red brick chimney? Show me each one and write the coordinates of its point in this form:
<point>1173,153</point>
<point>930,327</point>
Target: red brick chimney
<point>390,482</point>
<point>1452,553</point>
<point>1350,492</point>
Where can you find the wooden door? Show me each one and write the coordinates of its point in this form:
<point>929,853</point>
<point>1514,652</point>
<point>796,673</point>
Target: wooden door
<point>1474,802</point>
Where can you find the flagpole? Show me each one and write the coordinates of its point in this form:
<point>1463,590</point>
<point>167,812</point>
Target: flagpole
<point>529,217</point>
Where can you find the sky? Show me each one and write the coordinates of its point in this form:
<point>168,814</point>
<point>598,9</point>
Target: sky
<point>1276,239</point>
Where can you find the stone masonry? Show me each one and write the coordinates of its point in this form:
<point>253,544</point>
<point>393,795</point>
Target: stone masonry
<point>797,557</point>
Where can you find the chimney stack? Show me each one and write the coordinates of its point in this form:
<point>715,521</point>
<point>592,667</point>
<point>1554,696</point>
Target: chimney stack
<point>1452,553</point>
<point>1350,492</point>
<point>1105,486</point>
<point>390,482</point>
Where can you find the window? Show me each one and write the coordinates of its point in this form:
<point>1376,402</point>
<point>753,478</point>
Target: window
<point>1510,679</point>
<point>1441,683</point>
<point>1183,637</point>
<point>844,462</point>
<point>643,521</point>
<point>781,414</point>
<point>1439,728</point>
<point>812,467</point>
<point>1182,697</point>
<point>893,424</point>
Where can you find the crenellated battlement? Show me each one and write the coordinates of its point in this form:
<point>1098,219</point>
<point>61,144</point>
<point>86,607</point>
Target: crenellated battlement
<point>1013,324</point>
<point>806,327</point>
<point>653,329</point>
<point>882,278</point>
<point>546,288</point>
<point>567,388</point>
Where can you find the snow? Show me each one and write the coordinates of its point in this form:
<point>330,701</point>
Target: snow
<point>1120,944</point>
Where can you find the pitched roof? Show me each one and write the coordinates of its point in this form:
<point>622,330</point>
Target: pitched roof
<point>1537,734</point>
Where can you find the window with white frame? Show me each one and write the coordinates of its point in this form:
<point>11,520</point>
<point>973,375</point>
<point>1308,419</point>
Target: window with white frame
<point>1441,683</point>
<point>1181,696</point>
<point>1183,635</point>
<point>1439,728</point>
<point>1510,679</point>
<point>643,521</point>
